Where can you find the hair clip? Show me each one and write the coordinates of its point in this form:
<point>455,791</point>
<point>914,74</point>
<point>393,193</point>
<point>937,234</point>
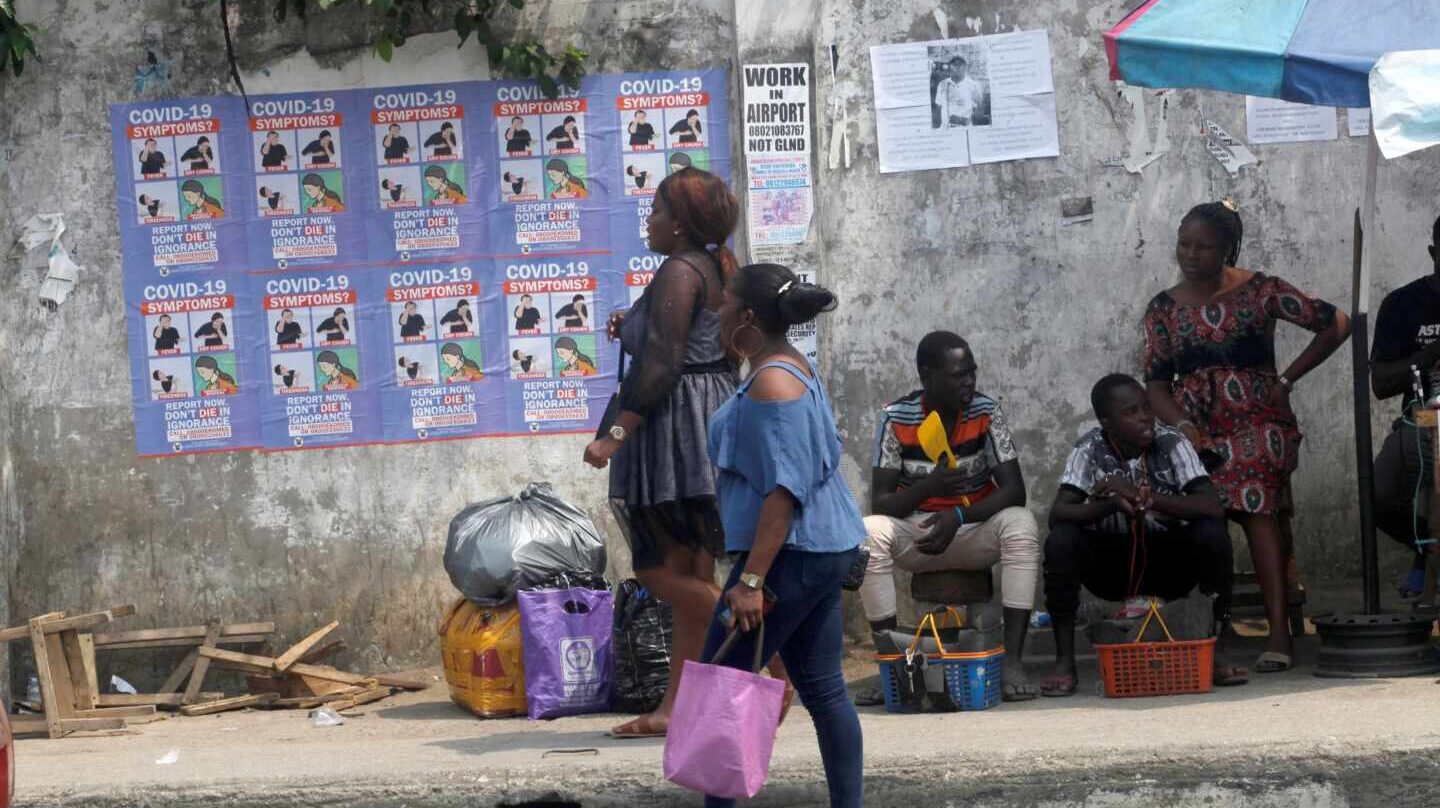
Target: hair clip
<point>784,287</point>
<point>1230,205</point>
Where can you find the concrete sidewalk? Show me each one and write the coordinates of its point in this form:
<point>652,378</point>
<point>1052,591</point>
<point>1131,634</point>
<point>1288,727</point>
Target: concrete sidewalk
<point>1286,739</point>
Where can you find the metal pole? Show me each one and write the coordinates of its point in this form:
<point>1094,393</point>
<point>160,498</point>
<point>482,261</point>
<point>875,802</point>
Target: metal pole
<point>1360,347</point>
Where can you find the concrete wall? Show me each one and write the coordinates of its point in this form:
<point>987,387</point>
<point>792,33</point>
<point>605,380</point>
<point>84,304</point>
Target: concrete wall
<point>357,534</point>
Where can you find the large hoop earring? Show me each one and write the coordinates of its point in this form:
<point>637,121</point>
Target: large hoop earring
<point>735,341</point>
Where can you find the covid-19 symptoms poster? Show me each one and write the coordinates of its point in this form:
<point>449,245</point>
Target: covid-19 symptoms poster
<point>381,265</point>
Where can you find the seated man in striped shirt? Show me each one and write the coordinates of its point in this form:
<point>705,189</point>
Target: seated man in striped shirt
<point>930,517</point>
<point>1136,515</point>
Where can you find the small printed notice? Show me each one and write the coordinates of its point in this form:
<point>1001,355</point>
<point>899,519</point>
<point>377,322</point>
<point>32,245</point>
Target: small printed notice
<point>953,102</point>
<point>777,152</point>
<point>1358,121</point>
<point>1270,120</point>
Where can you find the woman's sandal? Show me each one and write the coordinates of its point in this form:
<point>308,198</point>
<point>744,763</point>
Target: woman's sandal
<point>1231,676</point>
<point>641,727</point>
<point>1018,691</point>
<point>1273,662</point>
<point>1059,685</point>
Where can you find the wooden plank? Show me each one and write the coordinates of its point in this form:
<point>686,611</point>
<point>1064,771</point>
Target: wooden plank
<point>330,674</point>
<point>85,621</point>
<point>136,711</point>
<point>48,695</point>
<point>238,639</point>
<point>90,724</point>
<point>23,632</point>
<point>29,725</point>
<point>80,688</point>
<point>139,699</point>
<point>305,646</point>
<point>202,666</point>
<point>188,635</point>
<point>225,705</point>
<point>87,657</point>
<point>316,701</point>
<point>373,694</point>
<point>400,681</point>
<point>250,660</point>
<point>181,672</point>
<point>324,652</point>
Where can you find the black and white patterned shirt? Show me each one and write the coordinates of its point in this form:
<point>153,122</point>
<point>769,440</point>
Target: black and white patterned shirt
<point>1170,465</point>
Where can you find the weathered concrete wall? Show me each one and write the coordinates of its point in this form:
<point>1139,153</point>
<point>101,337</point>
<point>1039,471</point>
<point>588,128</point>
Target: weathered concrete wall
<point>351,534</point>
<point>357,534</point>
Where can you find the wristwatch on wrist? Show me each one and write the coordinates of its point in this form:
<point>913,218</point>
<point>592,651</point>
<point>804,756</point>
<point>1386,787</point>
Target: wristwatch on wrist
<point>618,433</point>
<point>752,581</point>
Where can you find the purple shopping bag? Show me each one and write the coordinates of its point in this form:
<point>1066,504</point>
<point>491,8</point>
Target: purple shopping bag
<point>566,635</point>
<point>722,730</point>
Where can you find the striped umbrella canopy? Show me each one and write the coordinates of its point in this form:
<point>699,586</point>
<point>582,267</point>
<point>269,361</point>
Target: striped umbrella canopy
<point>1307,51</point>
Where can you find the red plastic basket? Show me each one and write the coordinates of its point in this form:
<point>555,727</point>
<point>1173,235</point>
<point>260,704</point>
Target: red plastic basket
<point>1157,668</point>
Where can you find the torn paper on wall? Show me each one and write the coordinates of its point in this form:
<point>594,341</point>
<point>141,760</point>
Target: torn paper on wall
<point>1231,153</point>
<point>61,271</point>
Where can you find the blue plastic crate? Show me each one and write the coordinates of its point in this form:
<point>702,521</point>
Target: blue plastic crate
<point>971,680</point>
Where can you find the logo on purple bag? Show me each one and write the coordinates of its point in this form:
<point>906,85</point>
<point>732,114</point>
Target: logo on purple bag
<point>579,656</point>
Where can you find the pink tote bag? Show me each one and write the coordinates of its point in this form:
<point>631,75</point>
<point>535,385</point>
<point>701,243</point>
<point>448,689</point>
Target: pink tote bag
<point>722,730</point>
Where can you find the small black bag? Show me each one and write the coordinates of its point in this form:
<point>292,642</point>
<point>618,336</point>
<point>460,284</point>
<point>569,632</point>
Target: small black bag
<point>612,407</point>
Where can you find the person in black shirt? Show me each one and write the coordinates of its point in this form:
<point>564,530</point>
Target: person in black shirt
<point>397,147</point>
<point>287,375</point>
<point>565,135</point>
<point>199,155</point>
<point>271,198</point>
<point>689,129</point>
<point>517,183</point>
<point>527,317</point>
<point>166,381</point>
<point>1407,334</point>
<point>640,177</point>
<point>213,332</point>
<point>517,137</point>
<point>574,314</point>
<point>443,141</point>
<point>641,133</point>
<point>152,160</point>
<point>167,336</point>
<point>412,369</point>
<point>287,331</point>
<point>273,153</point>
<point>524,360</point>
<point>459,319</point>
<point>321,150</point>
<point>151,205</point>
<point>335,328</point>
<point>394,190</point>
<point>412,322</point>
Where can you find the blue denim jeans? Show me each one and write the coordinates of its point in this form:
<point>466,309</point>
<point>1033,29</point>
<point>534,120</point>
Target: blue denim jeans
<point>805,629</point>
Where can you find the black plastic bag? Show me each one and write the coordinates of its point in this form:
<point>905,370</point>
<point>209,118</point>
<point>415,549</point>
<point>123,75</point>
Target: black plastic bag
<point>500,546</point>
<point>641,647</point>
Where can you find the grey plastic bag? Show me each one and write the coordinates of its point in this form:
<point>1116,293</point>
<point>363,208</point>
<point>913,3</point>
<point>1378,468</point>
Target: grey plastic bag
<point>500,546</point>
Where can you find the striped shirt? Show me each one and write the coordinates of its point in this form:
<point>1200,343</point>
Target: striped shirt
<point>1170,466</point>
<point>980,441</point>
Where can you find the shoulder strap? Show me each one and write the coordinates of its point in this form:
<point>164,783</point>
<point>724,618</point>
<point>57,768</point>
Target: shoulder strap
<point>808,381</point>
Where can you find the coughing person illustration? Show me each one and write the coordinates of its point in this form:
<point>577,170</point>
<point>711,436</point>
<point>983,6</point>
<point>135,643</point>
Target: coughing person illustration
<point>217,381</point>
<point>334,375</point>
<point>458,366</point>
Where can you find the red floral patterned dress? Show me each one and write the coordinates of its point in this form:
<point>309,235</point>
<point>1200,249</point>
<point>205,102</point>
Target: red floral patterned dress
<point>1219,358</point>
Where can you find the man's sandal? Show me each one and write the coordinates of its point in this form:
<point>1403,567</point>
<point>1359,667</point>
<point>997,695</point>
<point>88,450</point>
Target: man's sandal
<point>1231,676</point>
<point>1059,685</point>
<point>641,727</point>
<point>1273,662</point>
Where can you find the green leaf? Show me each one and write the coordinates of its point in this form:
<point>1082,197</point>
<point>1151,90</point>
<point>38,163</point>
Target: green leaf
<point>548,86</point>
<point>384,49</point>
<point>517,3</point>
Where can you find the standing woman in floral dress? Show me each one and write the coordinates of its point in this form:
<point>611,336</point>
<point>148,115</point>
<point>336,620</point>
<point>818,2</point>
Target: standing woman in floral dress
<point>1211,372</point>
